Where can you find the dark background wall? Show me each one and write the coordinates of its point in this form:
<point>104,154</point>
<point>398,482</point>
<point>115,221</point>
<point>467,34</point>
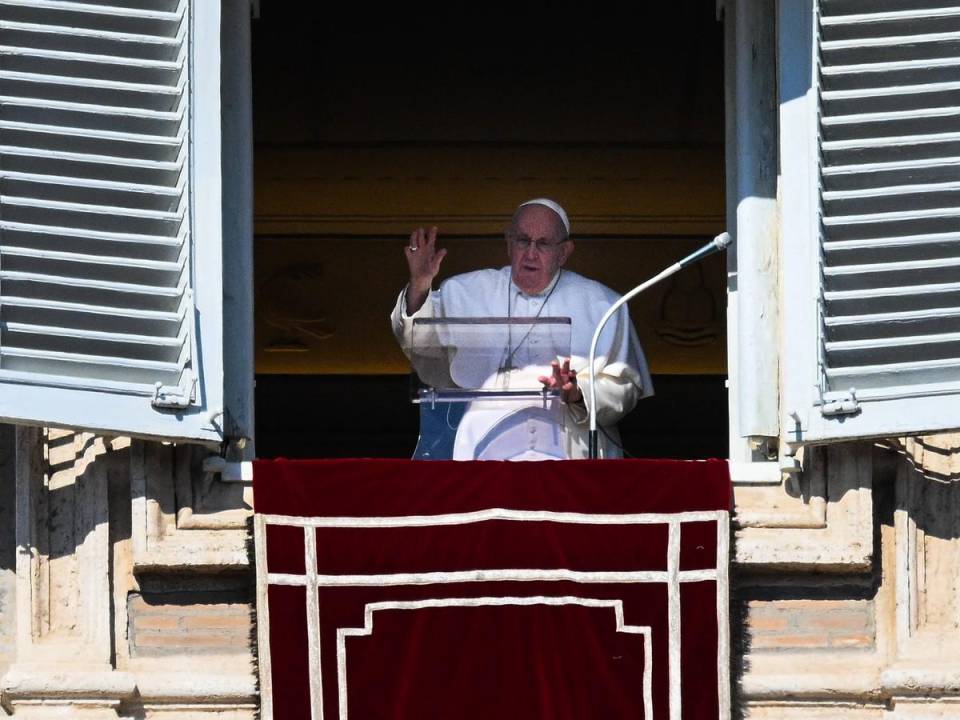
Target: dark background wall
<point>371,416</point>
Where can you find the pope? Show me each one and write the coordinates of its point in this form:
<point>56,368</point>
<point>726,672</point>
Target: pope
<point>536,284</point>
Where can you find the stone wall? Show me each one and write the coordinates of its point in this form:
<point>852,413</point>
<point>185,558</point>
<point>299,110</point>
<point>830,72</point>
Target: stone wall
<point>865,629</point>
<point>133,598</point>
<point>132,595</point>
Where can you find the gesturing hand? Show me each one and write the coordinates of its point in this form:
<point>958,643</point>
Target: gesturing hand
<point>424,260</point>
<point>563,379</point>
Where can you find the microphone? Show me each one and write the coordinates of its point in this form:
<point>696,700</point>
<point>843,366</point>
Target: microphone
<point>718,244</point>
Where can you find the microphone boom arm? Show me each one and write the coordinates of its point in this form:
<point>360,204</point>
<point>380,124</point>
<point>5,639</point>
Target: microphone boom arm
<point>718,244</point>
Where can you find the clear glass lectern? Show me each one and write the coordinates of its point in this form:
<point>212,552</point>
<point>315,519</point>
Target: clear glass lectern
<point>476,381</point>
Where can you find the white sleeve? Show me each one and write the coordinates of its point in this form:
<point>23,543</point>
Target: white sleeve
<point>618,390</point>
<point>621,374</point>
<point>402,322</point>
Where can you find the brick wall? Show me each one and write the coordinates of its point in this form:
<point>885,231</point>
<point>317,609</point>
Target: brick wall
<point>185,622</point>
<point>795,624</point>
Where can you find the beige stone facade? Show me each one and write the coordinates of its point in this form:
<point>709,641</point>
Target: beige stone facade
<point>852,610</point>
<point>126,589</point>
<point>125,586</point>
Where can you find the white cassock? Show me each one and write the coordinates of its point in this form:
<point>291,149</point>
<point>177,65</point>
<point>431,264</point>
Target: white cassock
<point>621,369</point>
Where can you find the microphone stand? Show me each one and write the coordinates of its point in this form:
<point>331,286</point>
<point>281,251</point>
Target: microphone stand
<point>719,243</point>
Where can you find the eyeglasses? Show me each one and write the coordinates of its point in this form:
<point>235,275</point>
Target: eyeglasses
<point>542,246</point>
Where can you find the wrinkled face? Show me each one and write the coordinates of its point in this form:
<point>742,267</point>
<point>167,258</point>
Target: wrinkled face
<point>537,248</point>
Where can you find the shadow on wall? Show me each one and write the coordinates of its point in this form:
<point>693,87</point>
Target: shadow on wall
<point>8,498</point>
<point>8,546</point>
<point>928,483</point>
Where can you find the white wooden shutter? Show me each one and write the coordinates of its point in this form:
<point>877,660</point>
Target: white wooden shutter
<point>109,124</point>
<point>886,230</point>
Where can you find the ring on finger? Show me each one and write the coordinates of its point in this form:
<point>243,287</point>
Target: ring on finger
<point>413,248</point>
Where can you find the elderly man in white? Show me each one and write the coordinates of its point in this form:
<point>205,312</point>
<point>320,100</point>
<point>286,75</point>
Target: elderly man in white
<point>535,284</point>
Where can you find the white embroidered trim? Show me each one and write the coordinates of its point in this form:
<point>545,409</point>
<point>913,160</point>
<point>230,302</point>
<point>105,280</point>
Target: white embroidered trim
<point>723,618</point>
<point>313,625</point>
<point>617,605</point>
<point>672,577</point>
<point>673,617</point>
<point>263,617</point>
<point>496,514</point>
<point>507,575</point>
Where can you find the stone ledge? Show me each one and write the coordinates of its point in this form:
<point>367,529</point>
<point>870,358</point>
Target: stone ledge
<point>37,683</point>
<point>835,677</point>
<point>200,712</point>
<point>907,680</point>
<point>793,550</point>
<point>823,675</point>
<point>855,685</point>
<point>37,688</point>
<point>197,688</point>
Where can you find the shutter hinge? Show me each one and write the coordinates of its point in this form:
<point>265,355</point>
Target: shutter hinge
<point>845,404</point>
<point>175,396</point>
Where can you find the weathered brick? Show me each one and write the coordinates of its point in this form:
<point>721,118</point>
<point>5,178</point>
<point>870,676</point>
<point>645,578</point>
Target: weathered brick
<point>775,624</point>
<point>167,623</point>
<point>156,622</point>
<point>136,604</point>
<point>225,622</point>
<point>850,641</point>
<point>190,641</point>
<point>778,641</point>
<point>215,608</point>
<point>847,621</point>
<point>809,605</point>
<point>768,623</point>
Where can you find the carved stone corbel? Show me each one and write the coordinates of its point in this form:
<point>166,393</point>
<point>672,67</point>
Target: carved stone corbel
<point>822,521</point>
<point>183,517</point>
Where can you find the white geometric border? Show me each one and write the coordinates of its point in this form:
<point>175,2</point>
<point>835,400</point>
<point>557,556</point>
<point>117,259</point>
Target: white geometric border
<point>672,577</point>
<point>617,605</point>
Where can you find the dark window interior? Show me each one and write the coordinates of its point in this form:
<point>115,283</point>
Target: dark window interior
<point>334,77</point>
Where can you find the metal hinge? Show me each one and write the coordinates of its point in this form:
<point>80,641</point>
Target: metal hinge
<point>175,396</point>
<point>845,404</point>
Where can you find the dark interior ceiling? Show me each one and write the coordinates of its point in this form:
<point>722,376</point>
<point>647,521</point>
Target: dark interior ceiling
<point>351,75</point>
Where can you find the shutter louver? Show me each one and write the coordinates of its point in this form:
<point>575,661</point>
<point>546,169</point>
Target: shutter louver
<point>95,217</point>
<point>889,124</point>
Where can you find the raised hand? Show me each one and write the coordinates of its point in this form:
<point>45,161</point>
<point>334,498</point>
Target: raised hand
<point>423,259</point>
<point>563,379</point>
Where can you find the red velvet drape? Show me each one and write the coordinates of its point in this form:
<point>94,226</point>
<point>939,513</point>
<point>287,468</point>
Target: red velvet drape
<point>494,590</point>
